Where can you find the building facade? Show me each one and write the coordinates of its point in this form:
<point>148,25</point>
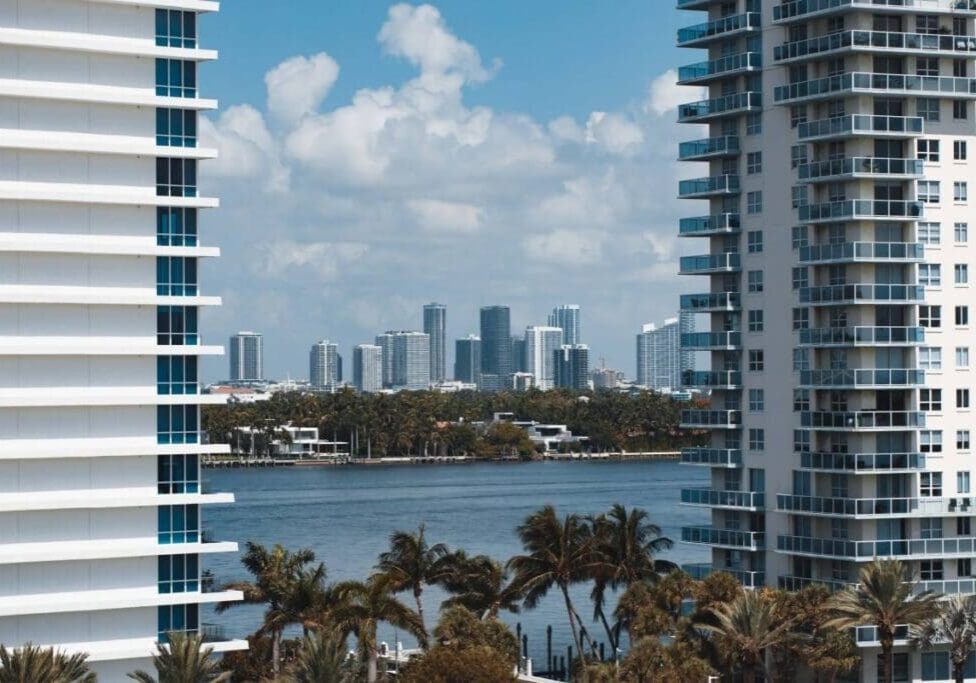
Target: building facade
<point>435,326</point>
<point>411,361</point>
<point>102,226</point>
<point>496,348</point>
<point>567,318</point>
<point>467,359</point>
<point>367,368</point>
<point>572,367</point>
<point>661,360</point>
<point>541,343</point>
<point>834,226</point>
<point>519,361</point>
<point>246,357</point>
<point>323,366</point>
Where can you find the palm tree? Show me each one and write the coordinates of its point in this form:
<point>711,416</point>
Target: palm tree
<point>745,628</point>
<point>478,584</point>
<point>322,657</point>
<point>183,660</point>
<point>955,625</point>
<point>412,563</point>
<point>360,607</point>
<point>32,664</point>
<point>883,599</point>
<point>558,552</point>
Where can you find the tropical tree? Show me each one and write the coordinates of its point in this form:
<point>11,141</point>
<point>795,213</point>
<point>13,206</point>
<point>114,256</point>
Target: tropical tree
<point>411,563</point>
<point>478,664</point>
<point>32,664</point>
<point>360,607</point>
<point>460,627</point>
<point>480,584</point>
<point>183,660</point>
<point>955,625</point>
<point>321,657</point>
<point>883,598</point>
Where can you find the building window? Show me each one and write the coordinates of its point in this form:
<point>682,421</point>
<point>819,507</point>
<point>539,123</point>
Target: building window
<point>931,528</point>
<point>926,66</point>
<point>176,375</point>
<point>177,424</point>
<point>964,567</point>
<point>753,163</point>
<point>964,528</point>
<point>801,277</point>
<point>179,573</point>
<point>177,619</point>
<point>756,360</point>
<point>177,326</point>
<point>961,232</point>
<point>931,484</point>
<point>960,110</point>
<point>962,482</point>
<point>930,441</point>
<point>176,78</point>
<point>755,240</point>
<point>930,399</point>
<point>930,358</point>
<point>962,398</point>
<point>930,316</point>
<point>931,570</point>
<point>755,281</point>
<point>959,151</point>
<point>179,524</point>
<point>757,439</point>
<point>798,115</point>
<point>930,274</point>
<point>176,177</point>
<point>801,318</point>
<point>178,474</point>
<point>175,28</point>
<point>801,400</point>
<point>798,155</point>
<point>176,227</point>
<point>757,400</point>
<point>753,124</point>
<point>929,233</point>
<point>935,666</point>
<point>962,356</point>
<point>800,236</point>
<point>176,276</point>
<point>961,272</point>
<point>928,108</point>
<point>928,191</point>
<point>801,441</point>
<point>176,127</point>
<point>754,202</point>
<point>928,150</point>
<point>960,191</point>
<point>798,194</point>
<point>962,440</point>
<point>755,321</point>
<point>801,360</point>
<point>962,316</point>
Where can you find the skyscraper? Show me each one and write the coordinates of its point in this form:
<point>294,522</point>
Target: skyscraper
<point>540,343</point>
<point>435,325</point>
<point>411,360</point>
<point>567,318</point>
<point>519,362</point>
<point>660,358</point>
<point>496,348</point>
<point>103,222</point>
<point>367,368</point>
<point>323,366</point>
<point>385,342</point>
<point>467,359</point>
<point>246,357</point>
<point>572,367</point>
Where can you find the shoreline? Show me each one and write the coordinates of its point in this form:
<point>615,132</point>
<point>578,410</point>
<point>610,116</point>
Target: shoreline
<point>236,462</point>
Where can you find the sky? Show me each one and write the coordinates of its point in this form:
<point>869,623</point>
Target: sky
<point>376,156</point>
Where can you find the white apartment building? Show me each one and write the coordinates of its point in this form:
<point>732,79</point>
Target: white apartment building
<point>101,500</point>
<point>541,344</point>
<point>323,366</point>
<point>367,368</point>
<point>836,262</point>
<point>246,357</point>
<point>661,360</point>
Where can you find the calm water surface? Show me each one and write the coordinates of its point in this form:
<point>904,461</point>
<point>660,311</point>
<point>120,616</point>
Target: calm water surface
<point>345,514</point>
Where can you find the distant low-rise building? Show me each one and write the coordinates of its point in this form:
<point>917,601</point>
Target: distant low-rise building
<point>523,381</point>
<point>605,378</point>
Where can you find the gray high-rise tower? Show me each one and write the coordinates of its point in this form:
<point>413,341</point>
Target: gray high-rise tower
<point>367,368</point>
<point>246,357</point>
<point>467,359</point>
<point>411,360</point>
<point>323,366</point>
<point>567,318</point>
<point>496,348</point>
<point>435,325</point>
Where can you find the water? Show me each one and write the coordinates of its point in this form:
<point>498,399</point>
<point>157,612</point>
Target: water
<point>345,514</point>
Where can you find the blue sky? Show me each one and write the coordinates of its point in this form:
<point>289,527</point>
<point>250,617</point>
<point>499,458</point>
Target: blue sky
<point>375,156</point>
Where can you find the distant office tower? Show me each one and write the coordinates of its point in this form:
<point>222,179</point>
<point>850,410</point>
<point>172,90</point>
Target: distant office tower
<point>660,359</point>
<point>246,357</point>
<point>338,369</point>
<point>411,360</point>
<point>367,368</point>
<point>567,318</point>
<point>540,345</point>
<point>572,367</point>
<point>496,348</point>
<point>435,325</point>
<point>467,359</point>
<point>604,378</point>
<point>323,366</point>
<point>519,362</point>
<point>385,342</point>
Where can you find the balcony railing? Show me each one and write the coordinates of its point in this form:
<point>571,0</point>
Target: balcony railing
<point>718,29</point>
<point>694,4</point>
<point>748,579</point>
<point>716,301</point>
<point>862,251</point>
<point>862,378</point>
<point>798,583</point>
<point>738,500</point>
<point>949,587</point>
<point>729,538</point>
<point>860,167</point>
<point>705,226</point>
<point>709,148</point>
<point>867,209</point>
<point>709,186</point>
<point>862,293</point>
<point>710,263</point>
<point>727,105</point>
<point>718,379</point>
<point>863,463</point>
<point>800,8</point>
<point>714,419</point>
<point>862,336</point>
<point>861,124</point>
<point>704,341</point>
<point>862,419</point>
<point>907,549</point>
<point>719,68</point>
<point>870,507</point>
<point>729,458</point>
<point>869,40</point>
<point>885,84</point>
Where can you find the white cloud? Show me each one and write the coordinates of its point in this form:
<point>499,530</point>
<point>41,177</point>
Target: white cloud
<point>445,217</point>
<point>613,132</point>
<point>246,148</point>
<point>664,94</point>
<point>323,260</point>
<point>297,86</point>
<point>566,247</point>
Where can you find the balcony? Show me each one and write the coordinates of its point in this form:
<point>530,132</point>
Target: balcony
<point>868,508</point>
<point>841,127</point>
<point>707,264</point>
<point>875,84</point>
<point>800,10</point>
<point>711,186</point>
<point>709,148</point>
<point>964,586</point>
<point>695,4</point>
<point>711,419</point>
<point>726,500</point>
<point>863,252</point>
<point>876,41</point>
<point>861,378</point>
<point>748,579</point>
<point>720,29</point>
<point>727,380</point>
<point>863,463</point>
<point>798,583</point>
<point>711,341</point>
<point>730,65</point>
<point>706,303</point>
<point>706,226</point>
<point>866,551</point>
<point>723,538</point>
<point>861,209</point>
<point>862,336</point>
<point>718,107</point>
<point>862,294</point>
<point>863,420</point>
<point>727,458</point>
<point>860,167</point>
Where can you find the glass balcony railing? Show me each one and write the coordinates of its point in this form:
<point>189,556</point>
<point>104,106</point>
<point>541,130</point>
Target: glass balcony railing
<point>716,301</point>
<point>798,583</point>
<point>860,167</point>
<point>907,549</point>
<point>866,463</point>
<point>862,336</point>
<point>727,105</point>
<point>705,419</point>
<point>862,378</point>
<point>718,29</point>
<point>694,4</point>
<point>862,419</point>
<point>705,226</point>
<point>748,579</point>
<point>949,587</point>
<point>866,209</point>
<point>709,148</point>
<point>709,263</point>
<point>726,379</point>
<point>800,8</point>
<point>883,40</point>
<point>730,538</point>
<point>729,65</point>
<point>866,293</point>
<point>703,341</point>
<point>885,84</point>
<point>866,507</point>
<point>862,251</point>
<point>708,187</point>
<point>729,458</point>
<point>861,124</point>
<point>739,500</point>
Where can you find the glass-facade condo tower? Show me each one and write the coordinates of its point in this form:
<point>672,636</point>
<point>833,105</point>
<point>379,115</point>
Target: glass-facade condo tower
<point>435,326</point>
<point>102,227</point>
<point>833,221</point>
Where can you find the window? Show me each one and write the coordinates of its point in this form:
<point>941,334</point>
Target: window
<point>801,359</point>
<point>179,573</point>
<point>961,232</point>
<point>930,399</point>
<point>962,398</point>
<point>927,66</point>
<point>179,524</point>
<point>755,281</point>
<point>799,235</point>
<point>931,484</point>
<point>801,277</point>
<point>930,274</point>
<point>177,326</point>
<point>928,108</point>
<point>798,155</point>
<point>962,316</point>
<point>178,473</point>
<point>928,150</point>
<point>755,240</point>
<point>801,441</point>
<point>928,191</point>
<point>935,666</point>
<point>177,619</point>
<point>927,23</point>
<point>962,482</point>
<point>801,318</point>
<point>176,177</point>
<point>959,69</point>
<point>931,528</point>
<point>177,424</point>
<point>757,400</point>
<point>798,115</point>
<point>931,570</point>
<point>176,276</point>
<point>176,78</point>
<point>176,127</point>
<point>799,196</point>
<point>801,399</point>
<point>962,439</point>
<point>929,233</point>
<point>753,163</point>
<point>753,124</point>
<point>176,375</point>
<point>756,360</point>
<point>960,110</point>
<point>176,227</point>
<point>930,358</point>
<point>930,316</point>
<point>962,356</point>
<point>959,151</point>
<point>960,191</point>
<point>175,28</point>
<point>930,441</point>
<point>754,202</point>
<point>755,321</point>
<point>899,666</point>
<point>963,528</point>
<point>757,439</point>
<point>961,273</point>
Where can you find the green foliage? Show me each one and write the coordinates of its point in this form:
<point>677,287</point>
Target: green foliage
<point>322,657</point>
<point>32,664</point>
<point>184,660</point>
<point>480,664</point>
<point>459,627</point>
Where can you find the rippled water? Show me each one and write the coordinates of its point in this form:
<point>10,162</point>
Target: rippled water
<point>345,514</point>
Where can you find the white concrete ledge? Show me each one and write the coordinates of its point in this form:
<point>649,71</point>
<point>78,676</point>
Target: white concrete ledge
<point>103,296</point>
<point>101,44</point>
<point>117,447</point>
<point>116,195</point>
<point>103,549</point>
<point>101,94</point>
<point>95,245</point>
<point>96,499</point>
<point>98,601</point>
<point>98,346</point>
<point>134,648</point>
<point>93,143</point>
<point>44,397</point>
<point>196,5</point>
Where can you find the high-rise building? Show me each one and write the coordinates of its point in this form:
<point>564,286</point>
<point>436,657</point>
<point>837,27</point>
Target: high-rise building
<point>572,367</point>
<point>385,342</point>
<point>605,378</point>
<point>435,326</point>
<point>367,368</point>
<point>839,419</point>
<point>567,318</point>
<point>101,505</point>
<point>540,343</point>
<point>246,357</point>
<point>660,358</point>
<point>467,359</point>
<point>411,360</point>
<point>519,362</point>
<point>323,366</point>
<point>496,348</point>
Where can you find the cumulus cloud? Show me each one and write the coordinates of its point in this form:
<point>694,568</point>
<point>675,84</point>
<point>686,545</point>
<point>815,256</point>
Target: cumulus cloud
<point>445,217</point>
<point>566,247</point>
<point>297,86</point>
<point>664,94</point>
<point>323,260</point>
